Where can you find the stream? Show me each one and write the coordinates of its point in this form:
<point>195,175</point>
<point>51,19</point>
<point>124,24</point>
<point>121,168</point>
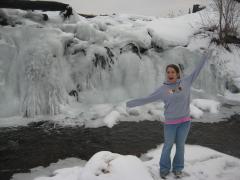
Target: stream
<point>42,143</point>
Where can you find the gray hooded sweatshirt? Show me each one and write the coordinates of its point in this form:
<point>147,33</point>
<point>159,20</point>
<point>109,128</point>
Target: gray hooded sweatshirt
<point>176,96</point>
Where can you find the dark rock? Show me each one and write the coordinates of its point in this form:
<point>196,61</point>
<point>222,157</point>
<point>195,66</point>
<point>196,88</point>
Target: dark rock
<point>34,5</point>
<point>76,51</point>
<point>102,61</point>
<point>45,17</point>
<point>133,48</point>
<point>156,47</point>
<point>3,21</point>
<point>197,7</point>
<point>67,12</point>
<point>110,54</point>
<point>232,87</point>
<point>229,39</point>
<point>74,93</point>
<point>181,66</point>
<point>232,39</point>
<point>88,15</point>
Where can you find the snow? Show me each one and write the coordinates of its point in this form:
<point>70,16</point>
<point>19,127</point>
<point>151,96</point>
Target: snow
<point>112,118</point>
<point>71,167</point>
<point>86,32</point>
<point>231,96</point>
<point>207,105</point>
<point>200,163</point>
<point>109,60</point>
<point>195,111</point>
<point>107,165</point>
<point>174,31</point>
<point>145,7</point>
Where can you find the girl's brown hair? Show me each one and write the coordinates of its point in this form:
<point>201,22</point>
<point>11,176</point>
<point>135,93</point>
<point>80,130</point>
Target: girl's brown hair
<point>175,67</point>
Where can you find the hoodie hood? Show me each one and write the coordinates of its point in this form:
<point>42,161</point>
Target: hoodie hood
<point>171,83</point>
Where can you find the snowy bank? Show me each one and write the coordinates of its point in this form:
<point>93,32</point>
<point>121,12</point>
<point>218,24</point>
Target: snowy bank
<point>200,163</point>
<point>99,115</point>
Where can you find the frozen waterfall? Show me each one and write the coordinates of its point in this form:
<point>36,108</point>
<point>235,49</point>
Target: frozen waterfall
<point>105,60</point>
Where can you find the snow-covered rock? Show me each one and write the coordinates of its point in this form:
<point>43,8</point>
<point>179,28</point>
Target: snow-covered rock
<point>107,165</point>
<point>195,111</point>
<point>207,105</point>
<point>200,163</point>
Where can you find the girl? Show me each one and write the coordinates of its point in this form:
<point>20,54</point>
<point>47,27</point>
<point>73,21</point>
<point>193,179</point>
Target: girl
<point>175,93</point>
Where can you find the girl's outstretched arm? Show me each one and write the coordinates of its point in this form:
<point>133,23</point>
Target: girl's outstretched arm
<point>155,96</point>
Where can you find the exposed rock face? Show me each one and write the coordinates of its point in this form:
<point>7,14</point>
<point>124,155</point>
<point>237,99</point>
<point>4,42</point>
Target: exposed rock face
<point>232,87</point>
<point>197,7</point>
<point>65,9</point>
<point>34,5</point>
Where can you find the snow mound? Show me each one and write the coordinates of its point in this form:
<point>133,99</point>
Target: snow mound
<point>69,164</point>
<point>174,31</point>
<point>195,111</point>
<point>207,105</point>
<point>105,166</point>
<point>200,163</point>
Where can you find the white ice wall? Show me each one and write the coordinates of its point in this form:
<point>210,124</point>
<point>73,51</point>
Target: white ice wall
<point>41,62</point>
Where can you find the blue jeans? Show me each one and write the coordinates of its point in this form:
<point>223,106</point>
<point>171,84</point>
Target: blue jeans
<point>174,133</point>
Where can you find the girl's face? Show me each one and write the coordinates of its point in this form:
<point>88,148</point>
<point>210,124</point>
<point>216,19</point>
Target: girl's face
<point>171,75</point>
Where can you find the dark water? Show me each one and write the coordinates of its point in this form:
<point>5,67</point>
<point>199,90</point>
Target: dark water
<point>41,143</point>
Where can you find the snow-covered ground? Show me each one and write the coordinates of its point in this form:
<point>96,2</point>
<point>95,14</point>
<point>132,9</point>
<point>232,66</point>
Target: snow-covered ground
<point>144,7</point>
<point>108,60</point>
<point>200,163</point>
